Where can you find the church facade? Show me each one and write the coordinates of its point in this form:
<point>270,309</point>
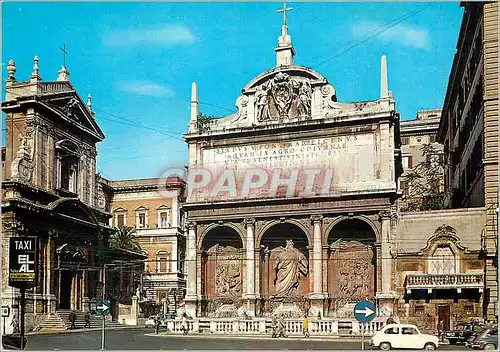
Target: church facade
<point>291,198</point>
<point>50,190</point>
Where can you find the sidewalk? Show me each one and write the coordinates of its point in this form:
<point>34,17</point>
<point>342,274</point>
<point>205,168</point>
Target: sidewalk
<point>261,337</point>
<point>69,331</point>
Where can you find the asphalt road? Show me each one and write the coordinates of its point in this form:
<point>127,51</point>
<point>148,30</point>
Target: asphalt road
<point>144,339</point>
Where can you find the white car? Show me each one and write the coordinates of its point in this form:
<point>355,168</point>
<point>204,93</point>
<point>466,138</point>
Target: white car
<point>403,336</point>
<point>150,322</point>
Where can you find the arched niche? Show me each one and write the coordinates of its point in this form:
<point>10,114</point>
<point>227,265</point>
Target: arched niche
<point>351,265</point>
<point>284,264</point>
<point>222,261</point>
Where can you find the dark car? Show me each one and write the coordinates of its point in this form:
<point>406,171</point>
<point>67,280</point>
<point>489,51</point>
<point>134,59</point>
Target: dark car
<point>462,332</point>
<point>486,340</point>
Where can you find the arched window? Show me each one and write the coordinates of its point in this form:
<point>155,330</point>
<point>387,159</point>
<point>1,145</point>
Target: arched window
<point>68,158</point>
<point>443,261</point>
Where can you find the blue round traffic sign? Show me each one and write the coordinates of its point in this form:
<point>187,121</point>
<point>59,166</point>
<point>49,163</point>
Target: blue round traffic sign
<point>103,307</point>
<point>364,311</point>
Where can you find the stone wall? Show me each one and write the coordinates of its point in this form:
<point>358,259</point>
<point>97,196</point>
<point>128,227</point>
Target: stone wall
<point>414,229</point>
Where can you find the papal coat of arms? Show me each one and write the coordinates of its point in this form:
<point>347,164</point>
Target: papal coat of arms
<point>282,93</point>
<point>283,98</point>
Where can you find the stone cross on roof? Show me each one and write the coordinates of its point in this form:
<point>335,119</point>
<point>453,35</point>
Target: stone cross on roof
<point>63,49</point>
<point>285,50</point>
<point>284,10</point>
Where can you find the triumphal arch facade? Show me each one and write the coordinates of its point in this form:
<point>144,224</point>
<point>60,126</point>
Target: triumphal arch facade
<point>290,199</point>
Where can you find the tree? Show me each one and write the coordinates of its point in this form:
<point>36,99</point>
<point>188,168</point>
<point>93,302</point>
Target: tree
<point>425,182</point>
<point>203,122</point>
<point>125,238</point>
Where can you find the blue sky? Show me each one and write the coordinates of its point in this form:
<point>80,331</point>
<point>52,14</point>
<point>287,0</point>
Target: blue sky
<point>138,60</point>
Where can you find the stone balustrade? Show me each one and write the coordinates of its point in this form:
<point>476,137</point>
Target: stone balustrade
<point>429,281</point>
<point>262,326</point>
<point>175,326</point>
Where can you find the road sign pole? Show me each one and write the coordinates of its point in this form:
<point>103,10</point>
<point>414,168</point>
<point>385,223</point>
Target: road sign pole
<point>362,336</point>
<point>102,335</point>
<point>23,302</point>
<point>104,315</point>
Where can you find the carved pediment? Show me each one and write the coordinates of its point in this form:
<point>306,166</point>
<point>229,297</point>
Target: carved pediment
<point>71,108</point>
<point>444,234</point>
<point>290,94</point>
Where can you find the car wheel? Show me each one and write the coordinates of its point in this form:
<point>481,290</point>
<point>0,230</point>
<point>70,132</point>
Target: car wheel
<point>489,346</point>
<point>429,347</point>
<point>385,346</point>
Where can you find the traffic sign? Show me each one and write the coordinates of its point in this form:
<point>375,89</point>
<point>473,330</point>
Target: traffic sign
<point>23,263</point>
<point>5,311</point>
<point>364,311</point>
<point>103,307</point>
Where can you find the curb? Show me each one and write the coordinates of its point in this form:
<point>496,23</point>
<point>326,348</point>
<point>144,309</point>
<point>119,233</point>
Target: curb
<point>258,337</point>
<point>69,331</point>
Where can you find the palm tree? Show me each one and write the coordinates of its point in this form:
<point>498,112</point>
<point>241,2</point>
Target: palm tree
<point>125,238</point>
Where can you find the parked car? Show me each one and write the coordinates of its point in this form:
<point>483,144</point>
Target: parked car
<point>403,336</point>
<point>462,332</point>
<point>150,322</point>
<point>486,340</point>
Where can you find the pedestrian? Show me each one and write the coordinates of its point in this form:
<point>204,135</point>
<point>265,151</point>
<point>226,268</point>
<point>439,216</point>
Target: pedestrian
<point>72,319</point>
<point>391,319</point>
<point>184,324</point>
<point>87,320</point>
<point>157,324</point>
<point>305,326</point>
<point>440,326</point>
<point>15,324</point>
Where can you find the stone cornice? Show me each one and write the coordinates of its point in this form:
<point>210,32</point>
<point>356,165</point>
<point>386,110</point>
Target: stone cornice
<point>299,126</point>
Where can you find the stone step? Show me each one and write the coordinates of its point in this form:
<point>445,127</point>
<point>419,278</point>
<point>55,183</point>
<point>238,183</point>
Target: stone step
<point>95,321</point>
<point>53,322</point>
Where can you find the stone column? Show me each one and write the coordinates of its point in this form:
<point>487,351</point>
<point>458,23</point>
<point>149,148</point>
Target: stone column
<point>73,292</point>
<point>385,294</point>
<point>317,258</point>
<point>48,273</point>
<point>250,266</point>
<point>191,280</point>
<point>174,267</point>
<point>384,217</point>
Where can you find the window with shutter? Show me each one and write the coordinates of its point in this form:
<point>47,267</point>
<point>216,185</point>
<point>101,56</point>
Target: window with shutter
<point>120,220</point>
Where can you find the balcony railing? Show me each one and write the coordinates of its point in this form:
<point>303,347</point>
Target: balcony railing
<point>443,281</point>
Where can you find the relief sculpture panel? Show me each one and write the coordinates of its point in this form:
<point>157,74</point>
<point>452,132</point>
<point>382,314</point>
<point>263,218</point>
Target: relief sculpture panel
<point>224,263</point>
<point>351,273</point>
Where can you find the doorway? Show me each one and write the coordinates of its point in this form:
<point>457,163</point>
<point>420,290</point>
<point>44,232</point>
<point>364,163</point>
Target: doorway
<point>444,316</point>
<point>65,290</point>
